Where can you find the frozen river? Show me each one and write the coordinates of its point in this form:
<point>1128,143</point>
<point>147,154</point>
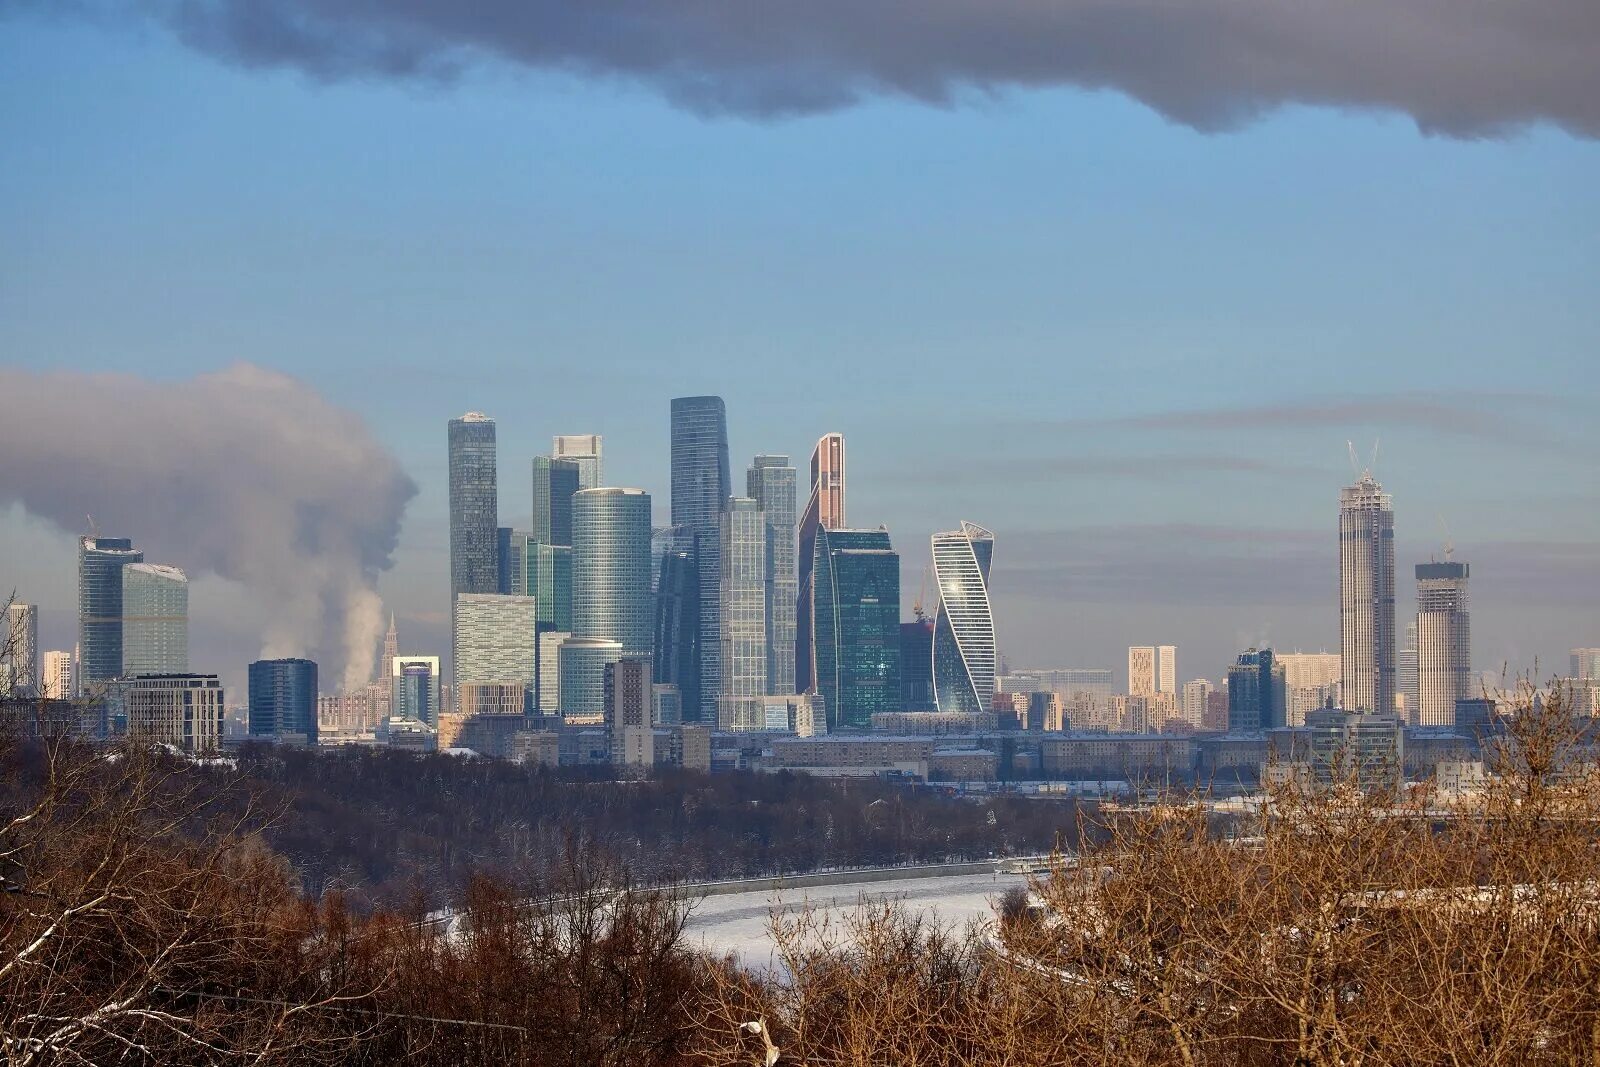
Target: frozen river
<point>737,922</point>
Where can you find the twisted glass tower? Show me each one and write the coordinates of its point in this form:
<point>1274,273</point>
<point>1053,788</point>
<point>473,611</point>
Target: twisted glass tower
<point>824,511</point>
<point>963,629</point>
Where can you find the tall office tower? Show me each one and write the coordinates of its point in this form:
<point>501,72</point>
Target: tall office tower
<point>511,560</point>
<point>474,508</point>
<point>1192,705</point>
<point>582,450</point>
<point>554,482</point>
<point>611,567</point>
<point>916,665</point>
<point>155,620</point>
<point>497,640</point>
<point>548,579</point>
<point>1141,670</point>
<point>963,628</point>
<point>824,511</point>
<point>629,696</point>
<point>57,676</point>
<point>182,710</point>
<point>100,563</point>
<point>1366,595</point>
<point>581,666</point>
<point>1585,664</point>
<point>770,482</point>
<point>857,627</point>
<point>1405,674</point>
<point>744,603</point>
<point>415,682</point>
<point>1444,643</point>
<point>19,651</point>
<point>677,618</point>
<point>701,486</point>
<point>1257,695</point>
<point>283,698</point>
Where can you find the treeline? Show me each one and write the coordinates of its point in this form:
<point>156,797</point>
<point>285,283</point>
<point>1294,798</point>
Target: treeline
<point>384,826</point>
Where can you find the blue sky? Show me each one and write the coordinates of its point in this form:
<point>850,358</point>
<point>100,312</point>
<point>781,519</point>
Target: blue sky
<point>1132,349</point>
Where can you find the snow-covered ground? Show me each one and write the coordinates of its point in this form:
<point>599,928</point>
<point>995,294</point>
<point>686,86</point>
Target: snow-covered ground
<point>738,922</point>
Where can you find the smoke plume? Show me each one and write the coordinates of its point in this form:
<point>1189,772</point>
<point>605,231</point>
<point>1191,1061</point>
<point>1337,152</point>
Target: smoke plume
<point>246,474</point>
<point>1467,68</point>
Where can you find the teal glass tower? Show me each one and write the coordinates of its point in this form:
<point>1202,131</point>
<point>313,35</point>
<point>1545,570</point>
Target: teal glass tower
<point>857,625</point>
<point>611,568</point>
<point>701,486</point>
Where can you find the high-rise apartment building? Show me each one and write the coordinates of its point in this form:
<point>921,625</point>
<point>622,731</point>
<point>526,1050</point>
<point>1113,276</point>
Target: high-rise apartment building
<point>283,698</point>
<point>155,620</point>
<point>415,688</point>
<point>1443,644</point>
<point>629,698</point>
<point>1585,664</point>
<point>964,656</point>
<point>1257,695</point>
<point>583,451</point>
<point>100,563</point>
<point>1312,681</point>
<point>496,640</point>
<point>1366,596</point>
<point>701,486</point>
<point>770,482</point>
<point>181,710</point>
<point>58,681</point>
<point>824,511</point>
<point>19,651</point>
<point>1192,703</point>
<point>857,626</point>
<point>474,508</point>
<point>1152,669</point>
<point>744,598</point>
<point>554,482</point>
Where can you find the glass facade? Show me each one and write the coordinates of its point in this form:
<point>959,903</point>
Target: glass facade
<point>415,694</point>
<point>496,640</point>
<point>155,620</point>
<point>582,664</point>
<point>744,598</point>
<point>283,698</point>
<point>824,511</point>
<point>770,482</point>
<point>474,508</point>
<point>963,629</point>
<point>100,563</point>
<point>583,451</point>
<point>554,482</point>
<point>611,567</point>
<point>857,625</point>
<point>548,573</point>
<point>677,616</point>
<point>916,666</point>
<point>1258,696</point>
<point>701,486</point>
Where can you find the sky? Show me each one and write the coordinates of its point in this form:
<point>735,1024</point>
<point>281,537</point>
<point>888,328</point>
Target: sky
<point>1121,300</point>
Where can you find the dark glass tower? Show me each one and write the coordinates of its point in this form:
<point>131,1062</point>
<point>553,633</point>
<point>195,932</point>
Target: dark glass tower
<point>677,616</point>
<point>283,698</point>
<point>916,665</point>
<point>100,563</point>
<point>701,486</point>
<point>554,482</point>
<point>474,567</point>
<point>1257,695</point>
<point>857,625</point>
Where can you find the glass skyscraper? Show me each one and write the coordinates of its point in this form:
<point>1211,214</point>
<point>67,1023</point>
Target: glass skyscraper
<point>824,511</point>
<point>611,567</point>
<point>744,598</point>
<point>155,620</point>
<point>770,482</point>
<point>1258,696</point>
<point>1366,596</point>
<point>100,563</point>
<point>474,509</point>
<point>415,688</point>
<point>583,451</point>
<point>283,698</point>
<point>554,482</point>
<point>857,626</point>
<point>963,628</point>
<point>548,571</point>
<point>701,486</point>
<point>677,616</point>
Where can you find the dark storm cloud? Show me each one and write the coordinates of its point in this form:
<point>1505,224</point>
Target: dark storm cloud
<point>1468,68</point>
<point>246,474</point>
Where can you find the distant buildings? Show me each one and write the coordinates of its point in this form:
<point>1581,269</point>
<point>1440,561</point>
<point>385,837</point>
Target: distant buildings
<point>100,563</point>
<point>283,699</point>
<point>611,567</point>
<point>916,665</point>
<point>1585,663</point>
<point>1366,596</point>
<point>181,710</point>
<point>1444,643</point>
<point>1152,669</point>
<point>629,699</point>
<point>582,662</point>
<point>701,486</point>
<point>1312,681</point>
<point>58,681</point>
<point>1257,696</point>
<point>856,600</point>
<point>19,651</point>
<point>1195,696</point>
<point>824,511</point>
<point>554,483</point>
<point>474,508</point>
<point>743,617</point>
<point>770,482</point>
<point>583,451</point>
<point>415,689</point>
<point>1366,750</point>
<point>677,616</point>
<point>155,620</point>
<point>963,636</point>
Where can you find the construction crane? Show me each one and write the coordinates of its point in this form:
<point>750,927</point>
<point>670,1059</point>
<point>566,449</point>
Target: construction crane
<point>922,593</point>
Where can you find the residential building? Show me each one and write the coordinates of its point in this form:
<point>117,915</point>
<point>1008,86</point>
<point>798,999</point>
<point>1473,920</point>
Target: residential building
<point>1444,643</point>
<point>583,451</point>
<point>743,613</point>
<point>1196,695</point>
<point>824,511</point>
<point>856,579</point>
<point>283,699</point>
<point>415,685</point>
<point>1141,670</point>
<point>629,700</point>
<point>701,486</point>
<point>155,620</point>
<point>58,681</point>
<point>19,651</point>
<point>100,563</point>
<point>181,710</point>
<point>1311,680</point>
<point>1257,696</point>
<point>1366,596</point>
<point>964,635</point>
<point>770,482</point>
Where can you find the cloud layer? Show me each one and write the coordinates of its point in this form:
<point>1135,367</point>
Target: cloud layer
<point>1468,68</point>
<point>246,474</point>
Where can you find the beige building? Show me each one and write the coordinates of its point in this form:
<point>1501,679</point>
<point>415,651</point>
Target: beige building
<point>182,710</point>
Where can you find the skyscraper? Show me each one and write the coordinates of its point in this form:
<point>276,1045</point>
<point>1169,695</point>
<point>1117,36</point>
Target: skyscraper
<point>701,486</point>
<point>391,649</point>
<point>1192,704</point>
<point>496,640</point>
<point>963,628</point>
<point>582,450</point>
<point>511,559</point>
<point>554,482</point>
<point>415,681</point>
<point>474,508</point>
<point>771,484</point>
<point>857,628</point>
<point>744,597</point>
<point>1152,669</point>
<point>1366,596</point>
<point>58,681</point>
<point>548,579</point>
<point>155,620</point>
<point>100,563</point>
<point>1257,694</point>
<point>581,664</point>
<point>916,665</point>
<point>824,511</point>
<point>1444,643</point>
<point>611,567</point>
<point>283,698</point>
<point>1585,664</point>
<point>1167,669</point>
<point>19,651</point>
<point>1405,674</point>
<point>677,617</point>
